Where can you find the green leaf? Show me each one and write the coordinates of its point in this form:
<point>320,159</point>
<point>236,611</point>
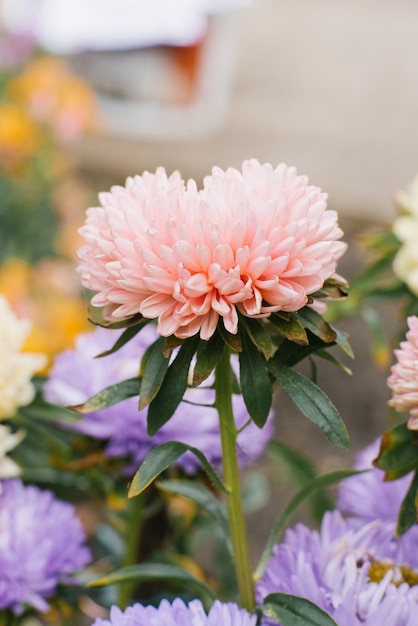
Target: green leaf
<point>292,328</point>
<point>173,387</point>
<point>126,336</point>
<point>314,485</point>
<point>290,353</point>
<point>407,516</point>
<point>317,325</point>
<point>313,403</point>
<point>398,451</point>
<point>110,395</point>
<point>203,497</point>
<point>381,349</point>
<point>303,471</point>
<point>342,342</point>
<point>154,365</point>
<point>143,572</point>
<point>367,279</point>
<point>207,357</point>
<point>258,335</point>
<point>295,611</point>
<point>255,382</point>
<point>160,458</point>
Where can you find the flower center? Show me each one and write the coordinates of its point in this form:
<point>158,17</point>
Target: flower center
<point>401,573</point>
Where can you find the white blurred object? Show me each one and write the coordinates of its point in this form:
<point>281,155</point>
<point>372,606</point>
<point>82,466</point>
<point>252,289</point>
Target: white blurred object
<point>162,69</point>
<point>69,26</point>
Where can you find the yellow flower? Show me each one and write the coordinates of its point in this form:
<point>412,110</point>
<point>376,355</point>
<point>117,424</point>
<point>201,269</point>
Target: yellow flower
<point>49,294</point>
<point>56,97</point>
<point>19,136</point>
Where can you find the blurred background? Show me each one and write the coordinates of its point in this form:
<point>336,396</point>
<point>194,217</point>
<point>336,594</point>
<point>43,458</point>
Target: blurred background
<point>93,92</point>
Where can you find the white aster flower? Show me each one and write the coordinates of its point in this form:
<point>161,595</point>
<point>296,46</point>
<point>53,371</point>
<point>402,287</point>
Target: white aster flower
<point>8,441</point>
<point>405,227</point>
<point>16,367</point>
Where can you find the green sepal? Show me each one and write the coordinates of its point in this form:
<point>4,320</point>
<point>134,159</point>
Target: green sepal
<point>295,611</point>
<point>172,388</point>
<point>398,454</point>
<point>232,341</point>
<point>256,331</point>
<point>312,402</point>
<point>314,322</point>
<point>154,365</point>
<point>96,318</point>
<point>407,515</point>
<point>207,357</point>
<point>110,395</point>
<point>160,458</point>
<point>291,328</point>
<point>255,382</point>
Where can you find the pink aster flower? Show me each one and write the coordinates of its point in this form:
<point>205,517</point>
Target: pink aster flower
<point>254,241</point>
<point>403,380</point>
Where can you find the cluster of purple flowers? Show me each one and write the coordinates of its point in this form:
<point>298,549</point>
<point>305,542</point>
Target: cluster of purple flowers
<point>76,376</point>
<point>179,614</point>
<point>353,567</point>
<point>42,545</point>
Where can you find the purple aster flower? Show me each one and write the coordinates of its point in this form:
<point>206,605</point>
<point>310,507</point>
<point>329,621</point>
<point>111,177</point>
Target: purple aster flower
<point>360,576</point>
<point>368,496</point>
<point>42,544</point>
<point>179,614</point>
<point>76,376</point>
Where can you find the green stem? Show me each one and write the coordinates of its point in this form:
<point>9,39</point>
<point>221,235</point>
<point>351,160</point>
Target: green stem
<point>223,387</point>
<point>134,520</point>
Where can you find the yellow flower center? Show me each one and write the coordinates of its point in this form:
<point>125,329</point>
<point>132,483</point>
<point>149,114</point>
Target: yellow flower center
<point>401,573</point>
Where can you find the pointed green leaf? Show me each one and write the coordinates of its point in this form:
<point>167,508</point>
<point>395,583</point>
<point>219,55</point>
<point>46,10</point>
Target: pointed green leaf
<point>327,356</point>
<point>295,611</point>
<point>398,451</point>
<point>143,572</point>
<point>154,365</point>
<point>303,471</point>
<point>342,342</point>
<point>110,396</point>
<point>407,516</point>
<point>172,388</point>
<point>160,458</point>
<point>258,335</point>
<point>314,485</point>
<point>316,324</point>
<point>207,357</point>
<point>203,497</point>
<point>126,336</point>
<point>255,382</point>
<point>313,403</point>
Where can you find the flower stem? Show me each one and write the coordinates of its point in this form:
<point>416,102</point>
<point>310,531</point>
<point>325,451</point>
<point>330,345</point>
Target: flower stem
<point>223,387</point>
<point>134,521</point>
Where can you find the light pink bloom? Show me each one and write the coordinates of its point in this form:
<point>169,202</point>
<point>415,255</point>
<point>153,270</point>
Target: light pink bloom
<point>256,241</point>
<point>403,380</point>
